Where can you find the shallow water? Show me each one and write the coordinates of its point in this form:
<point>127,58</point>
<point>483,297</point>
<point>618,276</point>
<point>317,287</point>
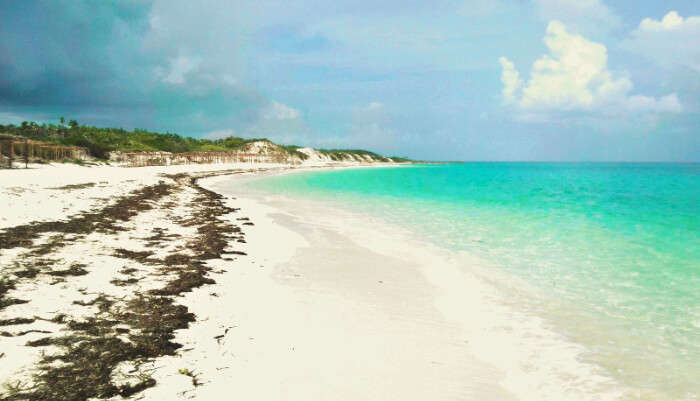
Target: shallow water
<point>607,255</point>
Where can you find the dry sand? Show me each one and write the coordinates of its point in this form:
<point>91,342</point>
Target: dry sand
<point>324,305</point>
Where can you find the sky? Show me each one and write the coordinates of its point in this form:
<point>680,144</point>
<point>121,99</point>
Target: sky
<point>533,80</point>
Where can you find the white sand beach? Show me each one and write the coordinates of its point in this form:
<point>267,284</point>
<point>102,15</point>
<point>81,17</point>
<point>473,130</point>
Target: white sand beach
<point>334,308</point>
<point>314,304</point>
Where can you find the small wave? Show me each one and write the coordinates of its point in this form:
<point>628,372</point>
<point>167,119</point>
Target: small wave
<point>538,364</point>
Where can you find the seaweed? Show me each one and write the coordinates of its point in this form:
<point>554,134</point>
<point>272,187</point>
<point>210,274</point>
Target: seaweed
<point>104,220</point>
<point>143,257</point>
<point>76,186</point>
<point>137,329</point>
<point>76,269</point>
<point>6,285</point>
<point>185,282</point>
<point>16,321</point>
<point>102,301</point>
<point>123,283</point>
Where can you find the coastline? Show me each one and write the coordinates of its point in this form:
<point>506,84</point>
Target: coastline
<point>304,300</point>
<point>269,316</point>
<point>359,312</point>
<point>504,352</point>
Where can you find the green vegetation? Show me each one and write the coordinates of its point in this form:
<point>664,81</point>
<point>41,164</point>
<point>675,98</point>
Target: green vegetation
<point>101,141</point>
<point>400,159</point>
<point>343,154</point>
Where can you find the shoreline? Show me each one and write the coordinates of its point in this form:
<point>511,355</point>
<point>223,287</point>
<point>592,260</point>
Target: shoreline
<point>98,260</point>
<point>524,356</point>
<point>283,298</point>
<point>346,270</point>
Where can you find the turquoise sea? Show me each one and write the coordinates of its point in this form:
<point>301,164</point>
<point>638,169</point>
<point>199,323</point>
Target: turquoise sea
<point>612,250</point>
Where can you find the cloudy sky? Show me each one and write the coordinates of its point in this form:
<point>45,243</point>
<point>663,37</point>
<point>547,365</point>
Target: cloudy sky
<point>448,80</point>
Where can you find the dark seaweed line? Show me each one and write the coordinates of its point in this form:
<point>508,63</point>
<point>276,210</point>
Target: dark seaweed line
<point>93,349</point>
<point>105,220</point>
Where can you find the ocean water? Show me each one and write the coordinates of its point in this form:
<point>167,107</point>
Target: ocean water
<point>608,254</point>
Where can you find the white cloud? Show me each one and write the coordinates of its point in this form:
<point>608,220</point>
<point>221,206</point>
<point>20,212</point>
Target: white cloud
<point>229,80</point>
<point>279,111</point>
<point>482,9</point>
<point>377,136</point>
<point>672,21</point>
<point>671,41</point>
<point>375,106</point>
<point>219,134</point>
<point>178,69</point>
<point>510,79</point>
<point>371,128</point>
<point>276,121</point>
<point>668,103</point>
<point>372,113</point>
<point>588,16</point>
<point>575,77</point>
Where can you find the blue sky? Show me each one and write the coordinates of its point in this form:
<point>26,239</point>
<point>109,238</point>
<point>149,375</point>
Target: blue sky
<point>445,80</point>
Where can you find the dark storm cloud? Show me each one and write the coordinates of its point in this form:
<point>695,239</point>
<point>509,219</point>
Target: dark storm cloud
<point>118,63</point>
<point>71,52</point>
